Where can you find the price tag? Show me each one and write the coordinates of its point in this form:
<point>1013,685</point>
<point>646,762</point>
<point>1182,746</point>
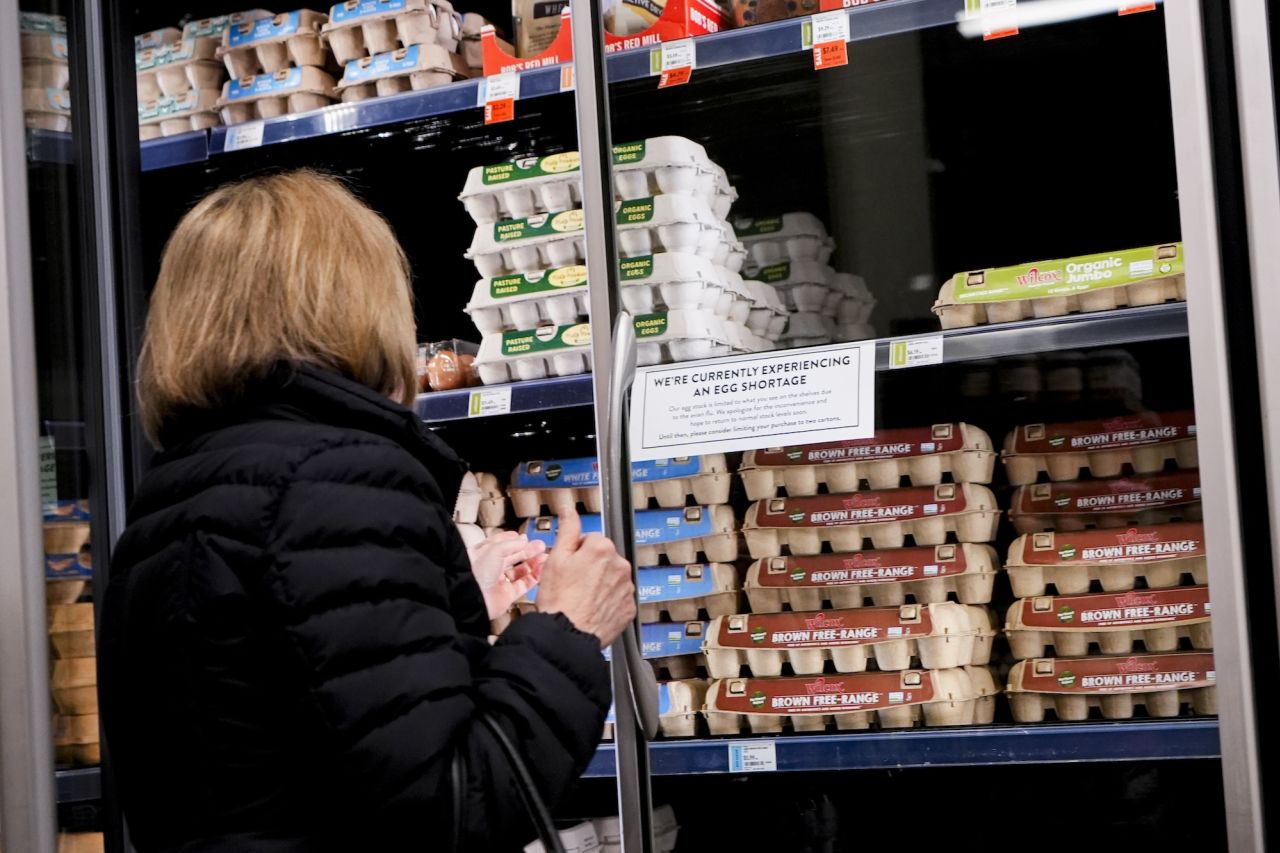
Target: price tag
<point>242,136</point>
<point>998,17</point>
<point>827,35</point>
<point>489,401</point>
<point>753,757</point>
<point>566,77</point>
<point>915,352</point>
<point>1135,8</point>
<point>500,94</point>
<point>673,62</point>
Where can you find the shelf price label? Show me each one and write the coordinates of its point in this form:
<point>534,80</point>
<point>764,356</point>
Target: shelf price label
<point>998,17</point>
<point>753,757</point>
<point>673,62</point>
<point>1135,8</point>
<point>915,352</point>
<point>488,402</point>
<point>827,35</point>
<point>500,92</point>
<point>566,77</point>
<point>242,136</point>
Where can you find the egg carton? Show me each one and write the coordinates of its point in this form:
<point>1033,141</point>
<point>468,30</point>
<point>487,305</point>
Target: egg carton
<point>1160,555</point>
<point>688,336</point>
<point>767,316</point>
<point>676,223</point>
<point>44,61</point>
<point>1161,684</point>
<point>47,109</point>
<point>1144,442</point>
<point>480,501</point>
<point>924,455</point>
<point>1145,276</point>
<point>76,738</point>
<point>169,116</point>
<point>1118,502</point>
<point>793,237</point>
<point>563,484</point>
<point>885,516</point>
<point>805,286</point>
<point>672,281</point>
<point>556,297</point>
<point>894,700</point>
<point>665,828</point>
<point>155,38</point>
<point>679,703</point>
<point>856,302</point>
<point>673,649</point>
<point>1115,622</point>
<point>671,165</point>
<point>529,245</point>
<point>940,636</point>
<point>74,684</point>
<point>683,593</point>
<point>290,90</point>
<point>360,28</point>
<point>41,22</point>
<point>473,534</point>
<point>683,536</point>
<point>418,66</point>
<point>66,537</point>
<point>269,45</point>
<point>885,578</point>
<point>217,25</point>
<point>71,630</point>
<point>172,69</point>
<point>808,329</point>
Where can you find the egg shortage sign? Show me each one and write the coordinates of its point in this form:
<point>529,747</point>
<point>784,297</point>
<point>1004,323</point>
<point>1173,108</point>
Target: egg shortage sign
<point>747,402</point>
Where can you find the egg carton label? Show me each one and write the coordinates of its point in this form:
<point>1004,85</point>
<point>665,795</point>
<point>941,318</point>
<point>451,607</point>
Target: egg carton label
<point>169,106</point>
<point>630,152</point>
<point>668,640</point>
<point>280,83</point>
<point>68,511</point>
<point>1131,674</point>
<point>1113,433</point>
<point>673,583</point>
<point>824,628</point>
<point>758,227</point>
<point>542,225</point>
<point>1147,544</point>
<point>58,47</point>
<point>169,54</point>
<point>632,212</point>
<point>574,473</point>
<point>636,269</point>
<point>39,22</point>
<point>511,286</point>
<point>1106,496</point>
<point>866,691</point>
<point>872,567</point>
<point>861,508</point>
<point>546,339</point>
<point>658,526</point>
<point>886,444</point>
<point>264,29</point>
<point>388,64</point>
<point>62,567</point>
<point>1069,276</point>
<point>531,167</point>
<point>1137,608</point>
<point>345,13</point>
<point>215,26</point>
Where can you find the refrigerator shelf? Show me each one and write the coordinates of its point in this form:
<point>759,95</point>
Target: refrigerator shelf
<point>52,146</point>
<point>78,786</point>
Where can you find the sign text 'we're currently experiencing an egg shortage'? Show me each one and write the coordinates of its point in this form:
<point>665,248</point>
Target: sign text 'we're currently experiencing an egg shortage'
<point>747,402</point>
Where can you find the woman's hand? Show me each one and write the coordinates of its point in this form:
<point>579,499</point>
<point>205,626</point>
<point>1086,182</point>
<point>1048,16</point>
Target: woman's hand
<point>588,581</point>
<point>506,565</point>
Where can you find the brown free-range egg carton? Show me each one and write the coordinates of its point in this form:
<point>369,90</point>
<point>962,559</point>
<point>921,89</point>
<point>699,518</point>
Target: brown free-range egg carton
<point>359,29</point>
<point>75,686</point>
<point>480,501</point>
<point>1143,441</point>
<point>268,45</point>
<point>290,90</point>
<point>922,454</point>
<point>886,517</point>
<point>1117,502</point>
<point>683,700</point>
<point>419,66</point>
<point>939,636</point>
<point>948,697</point>
<point>1115,622</point>
<point>1161,684</point>
<point>709,486</point>
<point>71,630</point>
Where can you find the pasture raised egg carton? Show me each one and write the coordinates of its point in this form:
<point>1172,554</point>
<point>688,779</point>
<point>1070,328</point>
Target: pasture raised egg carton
<point>680,593</point>
<point>169,116</point>
<point>418,66</point>
<point>269,45</point>
<point>1116,622</point>
<point>175,68</point>
<point>480,501</point>
<point>1161,684</point>
<point>885,578</point>
<point>921,454</point>
<point>1118,502</point>
<point>1160,555</point>
<point>896,700</point>
<point>1144,441</point>
<point>795,237</point>
<point>561,484</point>
<point>290,90</point>
<point>683,536</point>
<point>679,703</point>
<point>886,517</point>
<point>939,636</point>
<point>1144,276</point>
<point>357,29</point>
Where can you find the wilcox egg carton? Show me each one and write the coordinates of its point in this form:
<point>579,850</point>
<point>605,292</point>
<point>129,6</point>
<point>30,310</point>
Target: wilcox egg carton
<point>679,703</point>
<point>886,517</point>
<point>360,28</point>
<point>939,636</point>
<point>1118,502</point>
<point>947,697</point>
<point>676,223</point>
<point>172,69</point>
<point>1144,441</point>
<point>480,501</point>
<point>789,237</point>
<point>268,45</point>
<point>290,90</point>
<point>674,649</point>
<point>1143,276</point>
<point>921,454</point>
<point>560,484</point>
<point>169,116</point>
<point>418,66</point>
<point>680,535</point>
<point>1160,555</point>
<point>1159,683</point>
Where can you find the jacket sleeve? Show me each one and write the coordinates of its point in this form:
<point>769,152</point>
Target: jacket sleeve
<point>358,575</point>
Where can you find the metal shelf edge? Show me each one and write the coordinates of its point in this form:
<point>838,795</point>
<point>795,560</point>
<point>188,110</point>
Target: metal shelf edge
<point>80,785</point>
<point>531,396</point>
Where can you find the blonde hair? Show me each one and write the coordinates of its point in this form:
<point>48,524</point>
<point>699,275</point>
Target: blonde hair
<point>288,267</point>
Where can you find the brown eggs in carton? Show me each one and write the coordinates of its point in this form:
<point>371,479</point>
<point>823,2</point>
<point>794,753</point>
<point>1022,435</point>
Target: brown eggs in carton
<point>1108,503</point>
<point>269,45</point>
<point>1160,684</point>
<point>363,28</point>
<point>75,685</point>
<point>561,484</point>
<point>290,90</point>
<point>419,66</point>
<point>1145,442</point>
<point>480,501</point>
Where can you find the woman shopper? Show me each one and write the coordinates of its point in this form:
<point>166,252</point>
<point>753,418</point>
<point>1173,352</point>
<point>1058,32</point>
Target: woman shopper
<point>293,643</point>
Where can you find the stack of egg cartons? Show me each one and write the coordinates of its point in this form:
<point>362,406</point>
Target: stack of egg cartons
<point>74,678</point>
<point>46,101</point>
<point>278,65</point>
<point>1110,376</point>
<point>685,543</point>
<point>481,507</point>
<point>914,655</point>
<point>1113,611</point>
<point>679,272</point>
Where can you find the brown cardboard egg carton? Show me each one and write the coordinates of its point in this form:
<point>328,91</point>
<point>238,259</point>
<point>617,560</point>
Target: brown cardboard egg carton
<point>716,583</point>
<point>1144,442</point>
<point>75,686</point>
<point>71,630</point>
<point>1159,619</point>
<point>480,500</point>
<point>418,66</point>
<point>76,739</point>
<point>172,69</point>
<point>65,537</point>
<point>886,517</point>
<point>559,485</point>
<point>894,700</point>
<point>939,636</point>
<point>679,703</point>
<point>44,61</point>
<point>1119,502</point>
<point>1160,684</point>
<point>988,686</point>
<point>47,109</point>
<point>718,545</point>
<point>1161,556</point>
<point>357,29</point>
<point>290,90</point>
<point>81,842</point>
<point>64,591</point>
<point>196,109</point>
<point>922,454</point>
<point>268,45</point>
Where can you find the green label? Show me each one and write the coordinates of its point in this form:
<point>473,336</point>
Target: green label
<point>898,354</point>
<point>774,274</point>
<point>508,286</point>
<point>531,167</point>
<point>635,211</point>
<point>758,227</point>
<point>650,325</point>
<point>546,339</point>
<point>636,269</point>
<point>48,475</point>
<point>1069,276</point>
<point>537,226</point>
<point>628,152</point>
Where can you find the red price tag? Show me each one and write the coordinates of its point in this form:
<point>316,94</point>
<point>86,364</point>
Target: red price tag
<point>496,112</point>
<point>1135,8</point>
<point>830,55</point>
<point>500,93</point>
<point>674,77</point>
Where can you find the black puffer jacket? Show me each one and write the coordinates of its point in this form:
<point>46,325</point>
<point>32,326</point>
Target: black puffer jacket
<point>293,645</point>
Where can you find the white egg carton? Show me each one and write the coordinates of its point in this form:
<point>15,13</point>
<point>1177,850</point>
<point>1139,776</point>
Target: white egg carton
<point>174,68</point>
<point>671,165</point>
<point>480,501</point>
<point>793,237</point>
<point>962,696</point>
<point>1143,441</point>
<point>767,316</point>
<point>675,336</point>
<point>855,301</point>
<point>1159,555</point>
<point>805,286</point>
<point>938,636</point>
<point>846,332</point>
<point>169,116</point>
<point>268,45</point>
<point>671,280</point>
<point>155,38</point>
<point>1161,684</point>
<point>676,223</point>
<point>290,90</point>
<point>418,66</point>
<point>1119,502</point>
<point>362,28</point>
<point>808,329</point>
<point>562,484</point>
<point>679,703</point>
<point>555,297</point>
<point>217,25</point>
<point>529,245</point>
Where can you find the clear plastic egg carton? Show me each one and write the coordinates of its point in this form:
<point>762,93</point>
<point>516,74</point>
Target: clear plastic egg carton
<point>268,45</point>
<point>480,500</point>
<point>362,28</point>
<point>217,25</point>
<point>1144,442</point>
<point>534,353</point>
<point>679,703</point>
<point>1156,556</point>
<point>808,329</point>
<point>529,245</point>
<point>418,66</point>
<point>676,223</point>
<point>290,90</point>
<point>1161,685</point>
<point>175,68</point>
<point>796,236</point>
<point>169,116</point>
<point>527,301</point>
<point>562,484</point>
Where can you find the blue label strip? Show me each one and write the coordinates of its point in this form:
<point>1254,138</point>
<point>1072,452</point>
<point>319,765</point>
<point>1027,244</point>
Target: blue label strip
<point>341,14</point>
<point>264,29</point>
<point>64,567</point>
<point>653,526</point>
<point>264,84</point>
<point>382,65</point>
<point>664,703</point>
<point>573,473</point>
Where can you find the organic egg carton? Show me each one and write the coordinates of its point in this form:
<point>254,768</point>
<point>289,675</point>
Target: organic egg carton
<point>169,116</point>
<point>808,329</point>
<point>563,484</point>
<point>673,648</point>
<point>361,28</point>
<point>896,700</point>
<point>683,536</point>
<point>74,685</point>
<point>805,286</point>
<point>269,45</point>
<point>921,454</point>
<point>671,165</point>
<point>789,237</point>
<point>689,335</point>
<point>1144,276</point>
<point>290,90</point>
<point>886,578</point>
<point>680,593</point>
<point>418,66</point>
<point>76,739</point>
<point>939,636</point>
<point>480,501</point>
<point>214,27</point>
<point>44,61</point>
<point>173,69</point>
<point>1118,502</point>
<point>1115,622</point>
<point>767,316</point>
<point>676,223</point>
<point>71,630</point>
<point>1160,683</point>
<point>1160,555</point>
<point>886,517</point>
<point>1143,441</point>
<point>679,703</point>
